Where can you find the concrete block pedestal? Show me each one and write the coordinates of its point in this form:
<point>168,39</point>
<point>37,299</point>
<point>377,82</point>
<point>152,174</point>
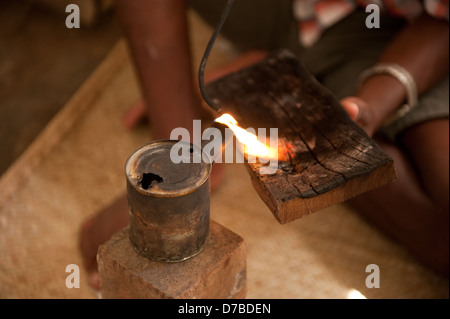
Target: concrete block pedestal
<point>217,272</point>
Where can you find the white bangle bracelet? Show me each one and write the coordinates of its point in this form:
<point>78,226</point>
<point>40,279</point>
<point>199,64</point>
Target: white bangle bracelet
<point>404,77</point>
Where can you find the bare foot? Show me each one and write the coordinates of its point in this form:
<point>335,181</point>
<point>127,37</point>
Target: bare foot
<point>99,229</point>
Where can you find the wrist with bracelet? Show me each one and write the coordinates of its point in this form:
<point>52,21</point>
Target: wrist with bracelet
<point>404,77</point>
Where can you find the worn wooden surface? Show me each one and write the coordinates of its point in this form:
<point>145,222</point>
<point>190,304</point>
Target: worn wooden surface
<point>325,157</point>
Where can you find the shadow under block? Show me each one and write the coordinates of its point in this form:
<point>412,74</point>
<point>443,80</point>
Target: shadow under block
<point>218,272</point>
<point>324,157</point>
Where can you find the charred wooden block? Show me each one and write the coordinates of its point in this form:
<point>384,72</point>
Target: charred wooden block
<point>327,158</point>
<point>218,272</point>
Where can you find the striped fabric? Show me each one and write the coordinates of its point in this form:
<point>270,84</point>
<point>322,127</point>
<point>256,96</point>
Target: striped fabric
<point>314,16</point>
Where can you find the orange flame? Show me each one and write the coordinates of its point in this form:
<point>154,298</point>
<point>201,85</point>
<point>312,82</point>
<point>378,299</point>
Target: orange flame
<point>253,146</point>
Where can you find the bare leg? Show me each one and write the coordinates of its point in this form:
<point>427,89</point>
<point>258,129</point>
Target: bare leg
<point>415,208</point>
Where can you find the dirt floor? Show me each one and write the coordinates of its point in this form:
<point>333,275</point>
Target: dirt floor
<point>42,64</point>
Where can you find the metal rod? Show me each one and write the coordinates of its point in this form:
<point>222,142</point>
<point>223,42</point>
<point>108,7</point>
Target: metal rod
<point>209,47</point>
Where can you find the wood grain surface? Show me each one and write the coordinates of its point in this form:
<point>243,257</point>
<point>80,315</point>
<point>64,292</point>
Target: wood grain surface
<point>324,157</point>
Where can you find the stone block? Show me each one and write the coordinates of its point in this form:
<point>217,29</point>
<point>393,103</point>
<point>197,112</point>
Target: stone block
<point>218,272</point>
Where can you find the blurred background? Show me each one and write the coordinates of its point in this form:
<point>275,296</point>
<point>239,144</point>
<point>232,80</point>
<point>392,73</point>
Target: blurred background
<point>42,63</point>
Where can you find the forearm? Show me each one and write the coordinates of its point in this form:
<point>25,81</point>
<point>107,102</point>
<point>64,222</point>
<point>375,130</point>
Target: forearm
<point>422,48</point>
<point>157,32</point>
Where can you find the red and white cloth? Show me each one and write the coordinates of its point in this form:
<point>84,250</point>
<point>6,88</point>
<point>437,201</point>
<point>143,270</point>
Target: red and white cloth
<point>314,16</point>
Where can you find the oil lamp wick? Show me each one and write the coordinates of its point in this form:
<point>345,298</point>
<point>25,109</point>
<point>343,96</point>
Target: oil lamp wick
<point>204,61</point>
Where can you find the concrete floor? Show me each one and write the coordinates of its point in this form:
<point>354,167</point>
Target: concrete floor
<point>42,64</point>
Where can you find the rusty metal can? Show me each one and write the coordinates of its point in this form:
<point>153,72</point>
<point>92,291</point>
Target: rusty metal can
<point>169,203</point>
